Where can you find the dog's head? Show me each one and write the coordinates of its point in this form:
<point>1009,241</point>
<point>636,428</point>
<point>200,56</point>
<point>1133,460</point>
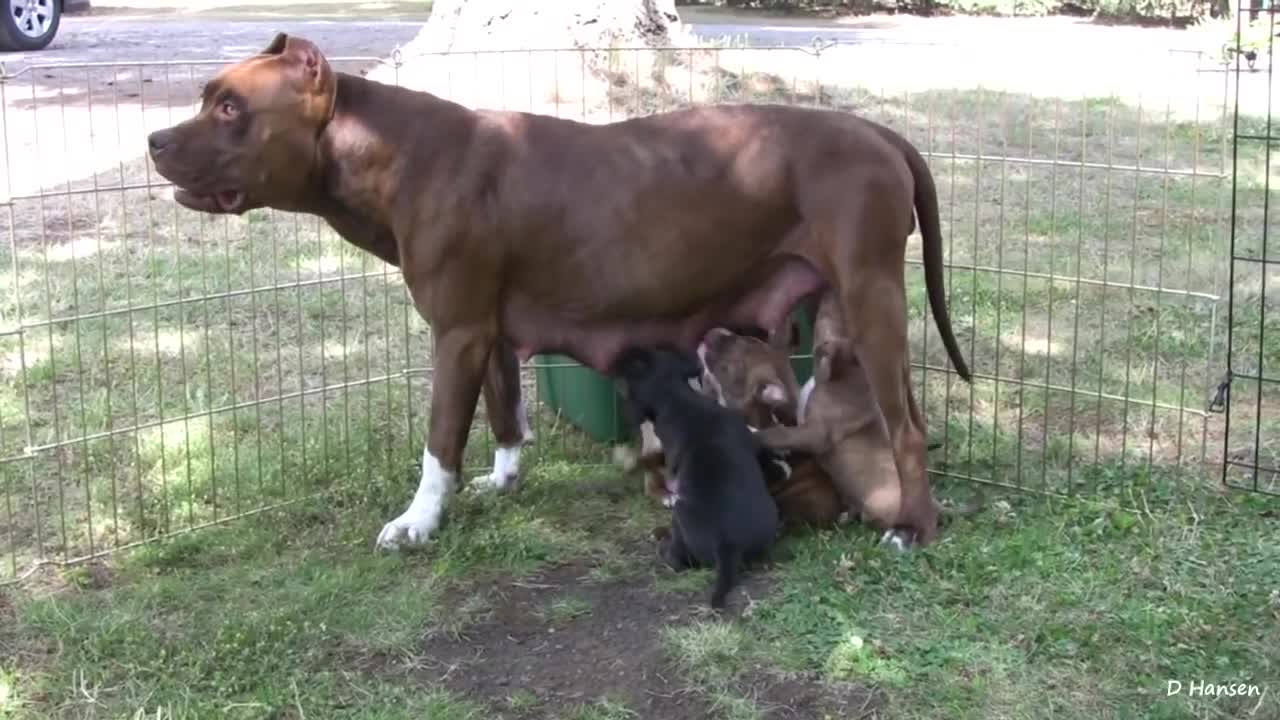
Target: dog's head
<point>749,375</point>
<point>645,375</point>
<point>255,139</point>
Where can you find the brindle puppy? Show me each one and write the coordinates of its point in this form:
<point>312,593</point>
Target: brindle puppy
<point>755,378</point>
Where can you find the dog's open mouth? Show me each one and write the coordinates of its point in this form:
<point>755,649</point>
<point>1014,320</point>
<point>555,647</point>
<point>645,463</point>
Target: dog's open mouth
<point>224,201</point>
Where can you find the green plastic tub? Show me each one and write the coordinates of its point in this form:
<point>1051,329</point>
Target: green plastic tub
<point>588,400</point>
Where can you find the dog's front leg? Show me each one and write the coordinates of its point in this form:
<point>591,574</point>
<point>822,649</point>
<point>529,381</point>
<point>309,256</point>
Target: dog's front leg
<point>805,438</point>
<point>508,419</point>
<point>461,358</point>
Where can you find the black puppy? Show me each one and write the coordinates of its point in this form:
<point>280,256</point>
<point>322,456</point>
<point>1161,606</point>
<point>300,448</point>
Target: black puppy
<point>723,514</point>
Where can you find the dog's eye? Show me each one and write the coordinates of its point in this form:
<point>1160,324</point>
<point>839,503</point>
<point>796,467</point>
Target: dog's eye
<point>228,109</point>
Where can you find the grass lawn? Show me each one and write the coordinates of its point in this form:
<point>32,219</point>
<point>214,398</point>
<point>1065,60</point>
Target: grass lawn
<point>550,604</point>
<point>171,370</point>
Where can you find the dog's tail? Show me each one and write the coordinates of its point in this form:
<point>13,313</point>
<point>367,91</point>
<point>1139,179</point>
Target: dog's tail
<point>728,560</point>
<point>926,202</point>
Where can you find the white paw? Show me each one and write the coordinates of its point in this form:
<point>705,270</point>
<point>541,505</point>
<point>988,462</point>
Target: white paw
<point>415,525</point>
<point>625,457</point>
<point>506,472</point>
<point>668,501</point>
<point>894,539</point>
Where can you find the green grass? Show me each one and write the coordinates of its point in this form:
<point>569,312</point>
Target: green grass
<point>1026,610</point>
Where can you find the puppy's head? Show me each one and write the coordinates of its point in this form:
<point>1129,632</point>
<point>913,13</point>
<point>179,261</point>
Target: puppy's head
<point>644,375</point>
<point>750,376</point>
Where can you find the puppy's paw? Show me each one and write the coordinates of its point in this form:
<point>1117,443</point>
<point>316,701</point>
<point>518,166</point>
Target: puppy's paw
<point>897,539</point>
<point>669,500</point>
<point>625,457</point>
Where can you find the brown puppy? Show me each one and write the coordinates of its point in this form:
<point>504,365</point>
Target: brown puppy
<point>755,378</point>
<point>840,425</point>
<point>520,234</point>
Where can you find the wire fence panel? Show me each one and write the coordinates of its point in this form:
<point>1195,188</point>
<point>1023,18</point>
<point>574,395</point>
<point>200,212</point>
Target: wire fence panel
<point>163,370</point>
<point>1251,386</point>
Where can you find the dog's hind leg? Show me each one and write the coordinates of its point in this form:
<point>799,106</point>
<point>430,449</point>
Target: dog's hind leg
<point>674,552</point>
<point>873,299</point>
<point>507,419</point>
<point>728,562</point>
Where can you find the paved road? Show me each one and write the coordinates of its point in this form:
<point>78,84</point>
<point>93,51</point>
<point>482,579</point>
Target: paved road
<point>1020,55</point>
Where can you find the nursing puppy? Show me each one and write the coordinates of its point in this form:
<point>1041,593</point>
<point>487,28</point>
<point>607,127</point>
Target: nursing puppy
<point>840,426</point>
<point>722,514</point>
<point>754,378</point>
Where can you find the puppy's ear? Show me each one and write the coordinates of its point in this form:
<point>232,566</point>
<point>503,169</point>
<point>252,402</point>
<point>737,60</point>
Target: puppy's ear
<point>772,394</point>
<point>687,365</point>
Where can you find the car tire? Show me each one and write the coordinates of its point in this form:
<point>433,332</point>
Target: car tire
<point>27,25</point>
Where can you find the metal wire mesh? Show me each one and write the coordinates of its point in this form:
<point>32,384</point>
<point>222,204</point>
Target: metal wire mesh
<point>1250,391</point>
<point>164,370</point>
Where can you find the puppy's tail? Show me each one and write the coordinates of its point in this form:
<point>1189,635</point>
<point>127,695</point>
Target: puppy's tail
<point>728,560</point>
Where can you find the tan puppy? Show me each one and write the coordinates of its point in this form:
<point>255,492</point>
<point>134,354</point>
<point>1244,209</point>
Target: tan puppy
<point>841,426</point>
<point>755,378</point>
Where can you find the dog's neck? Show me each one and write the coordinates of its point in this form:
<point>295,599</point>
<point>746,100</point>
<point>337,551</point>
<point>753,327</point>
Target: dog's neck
<point>360,165</point>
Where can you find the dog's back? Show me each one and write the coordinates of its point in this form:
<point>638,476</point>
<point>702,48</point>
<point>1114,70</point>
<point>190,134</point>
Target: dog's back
<point>723,514</point>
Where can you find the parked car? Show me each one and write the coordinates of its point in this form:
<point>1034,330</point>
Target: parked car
<point>31,24</point>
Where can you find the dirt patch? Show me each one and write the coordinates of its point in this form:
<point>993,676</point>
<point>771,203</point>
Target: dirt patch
<point>541,646</point>
<point>559,639</point>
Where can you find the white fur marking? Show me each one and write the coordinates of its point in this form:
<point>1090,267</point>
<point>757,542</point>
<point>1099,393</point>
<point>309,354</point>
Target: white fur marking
<point>649,442</point>
<point>786,467</point>
<point>522,418</point>
<point>804,398</point>
<point>506,470</point>
<point>669,501</point>
<point>893,538</point>
<point>422,517</point>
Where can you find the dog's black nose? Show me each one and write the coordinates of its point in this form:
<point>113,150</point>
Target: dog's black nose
<point>159,140</point>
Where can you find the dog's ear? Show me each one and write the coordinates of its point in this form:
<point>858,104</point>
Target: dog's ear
<point>684,364</point>
<point>304,55</point>
<point>277,45</point>
<point>772,393</point>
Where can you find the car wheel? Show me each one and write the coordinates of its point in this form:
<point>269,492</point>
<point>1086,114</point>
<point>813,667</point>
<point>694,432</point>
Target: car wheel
<point>28,25</point>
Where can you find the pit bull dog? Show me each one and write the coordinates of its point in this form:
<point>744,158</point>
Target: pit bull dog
<point>754,378</point>
<point>722,515</point>
<point>519,234</point>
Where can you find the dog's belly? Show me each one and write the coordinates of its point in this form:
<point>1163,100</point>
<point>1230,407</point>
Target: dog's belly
<point>595,339</point>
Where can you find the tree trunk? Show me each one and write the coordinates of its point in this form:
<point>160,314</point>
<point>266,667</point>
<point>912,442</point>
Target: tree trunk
<point>565,57</point>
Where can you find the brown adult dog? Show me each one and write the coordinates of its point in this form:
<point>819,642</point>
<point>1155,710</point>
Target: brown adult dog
<point>520,234</point>
<point>755,378</point>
